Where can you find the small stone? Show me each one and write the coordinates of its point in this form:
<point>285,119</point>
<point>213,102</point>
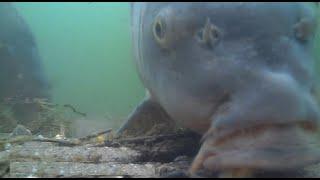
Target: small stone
<point>59,136</point>
<point>163,170</point>
<point>20,130</point>
<point>181,158</point>
<point>175,174</point>
<point>7,146</point>
<point>40,136</point>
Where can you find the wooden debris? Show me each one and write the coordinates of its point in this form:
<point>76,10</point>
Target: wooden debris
<point>81,154</point>
<point>4,163</point>
<point>60,142</point>
<point>71,169</point>
<point>95,135</point>
<point>148,156</point>
<point>74,110</point>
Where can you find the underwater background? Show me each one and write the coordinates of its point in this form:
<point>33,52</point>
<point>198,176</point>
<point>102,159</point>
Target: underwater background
<point>86,52</point>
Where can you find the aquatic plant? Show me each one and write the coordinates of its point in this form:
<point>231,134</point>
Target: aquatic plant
<point>52,119</point>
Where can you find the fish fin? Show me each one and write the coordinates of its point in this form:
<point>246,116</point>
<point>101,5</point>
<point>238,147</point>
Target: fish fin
<point>147,117</point>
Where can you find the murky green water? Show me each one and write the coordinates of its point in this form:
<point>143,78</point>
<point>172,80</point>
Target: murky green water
<point>317,46</point>
<point>87,55</point>
<point>86,51</point>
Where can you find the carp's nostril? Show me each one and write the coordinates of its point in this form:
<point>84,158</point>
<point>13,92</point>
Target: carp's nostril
<point>304,29</point>
<point>200,34</point>
<point>209,35</point>
<point>214,34</point>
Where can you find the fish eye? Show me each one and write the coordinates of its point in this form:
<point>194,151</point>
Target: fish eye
<point>159,30</point>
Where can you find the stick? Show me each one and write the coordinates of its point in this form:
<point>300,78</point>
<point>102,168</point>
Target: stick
<point>95,135</point>
<point>74,110</point>
<point>154,138</point>
<point>59,141</point>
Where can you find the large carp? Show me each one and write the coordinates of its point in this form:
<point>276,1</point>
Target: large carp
<point>22,76</point>
<point>240,74</point>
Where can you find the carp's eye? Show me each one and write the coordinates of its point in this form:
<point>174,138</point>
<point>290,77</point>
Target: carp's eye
<point>209,35</point>
<point>304,29</point>
<point>159,30</point>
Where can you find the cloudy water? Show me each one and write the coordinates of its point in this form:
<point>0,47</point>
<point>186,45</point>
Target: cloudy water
<point>239,80</point>
<point>85,49</point>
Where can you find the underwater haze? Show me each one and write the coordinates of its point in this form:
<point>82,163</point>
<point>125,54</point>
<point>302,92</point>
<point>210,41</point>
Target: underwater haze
<point>86,53</point>
<point>233,89</point>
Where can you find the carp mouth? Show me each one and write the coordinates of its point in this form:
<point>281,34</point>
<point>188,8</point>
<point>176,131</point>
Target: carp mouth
<point>269,148</point>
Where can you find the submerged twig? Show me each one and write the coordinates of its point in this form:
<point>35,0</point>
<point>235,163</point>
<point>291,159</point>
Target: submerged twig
<point>95,135</point>
<point>23,139</point>
<point>94,176</point>
<point>142,139</point>
<point>42,102</point>
<point>61,142</point>
<point>74,110</point>
<point>18,139</point>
